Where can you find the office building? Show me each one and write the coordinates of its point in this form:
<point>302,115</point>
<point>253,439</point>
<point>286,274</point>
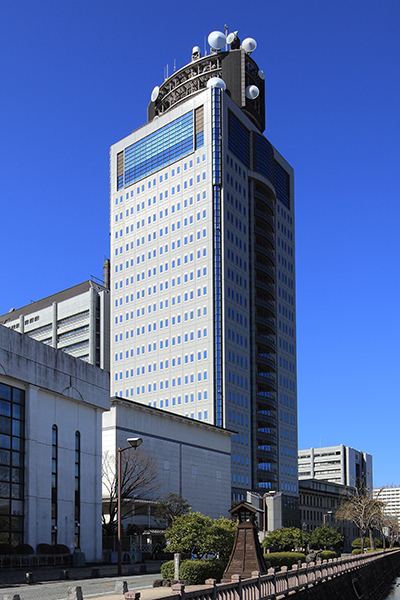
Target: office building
<point>319,501</point>
<point>76,321</point>
<point>51,406</point>
<point>390,496</point>
<point>202,265</point>
<point>338,464</point>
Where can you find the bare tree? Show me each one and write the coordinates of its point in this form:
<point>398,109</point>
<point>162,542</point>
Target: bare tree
<point>390,529</point>
<point>362,509</point>
<point>138,480</point>
<point>170,507</point>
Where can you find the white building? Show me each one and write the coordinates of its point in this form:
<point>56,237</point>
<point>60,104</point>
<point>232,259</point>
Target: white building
<point>193,458</point>
<point>202,267</point>
<point>390,496</point>
<point>338,464</point>
<point>76,321</point>
<point>50,446</point>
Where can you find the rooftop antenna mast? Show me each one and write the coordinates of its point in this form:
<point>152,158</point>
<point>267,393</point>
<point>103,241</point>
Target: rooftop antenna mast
<point>226,35</point>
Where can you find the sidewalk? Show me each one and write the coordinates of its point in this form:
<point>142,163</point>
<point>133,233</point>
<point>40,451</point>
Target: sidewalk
<point>148,593</point>
<point>45,574</point>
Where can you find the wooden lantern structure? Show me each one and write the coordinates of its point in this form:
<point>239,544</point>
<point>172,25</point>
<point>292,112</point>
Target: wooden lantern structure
<point>246,556</point>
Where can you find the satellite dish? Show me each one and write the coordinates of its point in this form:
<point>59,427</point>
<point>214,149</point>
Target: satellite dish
<point>248,45</point>
<point>230,38</point>
<point>252,92</point>
<point>216,40</point>
<point>154,93</point>
<point>261,74</point>
<point>216,82</point>
<point>196,50</point>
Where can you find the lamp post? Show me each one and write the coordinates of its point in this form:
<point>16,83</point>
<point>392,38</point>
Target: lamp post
<point>133,443</point>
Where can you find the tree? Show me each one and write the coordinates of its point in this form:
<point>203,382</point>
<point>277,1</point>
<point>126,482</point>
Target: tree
<point>362,509</point>
<point>325,537</point>
<point>285,539</point>
<point>197,535</point>
<point>138,479</point>
<point>170,507</point>
<point>390,529</point>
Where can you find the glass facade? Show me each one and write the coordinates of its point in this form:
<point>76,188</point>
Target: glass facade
<point>238,139</point>
<point>282,185</point>
<point>263,157</point>
<point>12,404</point>
<point>157,150</point>
<point>217,180</point>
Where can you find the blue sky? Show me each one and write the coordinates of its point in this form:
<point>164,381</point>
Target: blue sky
<point>77,76</point>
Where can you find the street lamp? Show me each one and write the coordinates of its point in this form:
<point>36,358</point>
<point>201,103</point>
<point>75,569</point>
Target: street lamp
<point>133,443</point>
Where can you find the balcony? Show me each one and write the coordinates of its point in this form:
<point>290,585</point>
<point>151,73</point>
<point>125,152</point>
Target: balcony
<point>266,420</point>
<point>267,304</point>
<point>267,361</point>
<point>265,475</point>
<point>260,267</point>
<point>267,438</point>
<point>261,249</point>
<point>266,380</point>
<point>265,341</point>
<point>263,234</point>
<point>265,325</point>
<point>267,456</point>
<point>261,199</point>
<point>261,284</point>
<point>263,217</point>
<point>265,401</point>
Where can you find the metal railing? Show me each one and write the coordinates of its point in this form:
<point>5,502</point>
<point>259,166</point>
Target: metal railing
<point>12,561</point>
<point>276,583</point>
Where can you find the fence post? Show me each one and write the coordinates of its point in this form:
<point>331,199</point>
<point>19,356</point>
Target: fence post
<point>272,572</point>
<point>212,582</point>
<point>257,574</point>
<point>237,579</point>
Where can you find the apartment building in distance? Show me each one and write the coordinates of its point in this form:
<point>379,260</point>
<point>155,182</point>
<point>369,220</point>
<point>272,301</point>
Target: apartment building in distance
<point>203,317</point>
<point>390,496</point>
<point>76,321</point>
<point>338,464</point>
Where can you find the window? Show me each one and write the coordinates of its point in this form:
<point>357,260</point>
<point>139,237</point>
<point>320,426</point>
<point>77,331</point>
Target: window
<point>54,483</point>
<point>77,533</point>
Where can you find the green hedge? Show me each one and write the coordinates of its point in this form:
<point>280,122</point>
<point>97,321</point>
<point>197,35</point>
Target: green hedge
<point>195,571</point>
<point>358,550</point>
<point>327,554</point>
<point>284,559</point>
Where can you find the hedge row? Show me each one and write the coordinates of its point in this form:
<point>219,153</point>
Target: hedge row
<point>195,571</point>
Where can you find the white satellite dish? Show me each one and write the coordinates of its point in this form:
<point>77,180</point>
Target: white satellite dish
<point>154,93</point>
<point>216,40</point>
<point>196,50</point>
<point>248,45</point>
<point>230,38</point>
<point>216,82</point>
<point>252,92</point>
<point>261,74</point>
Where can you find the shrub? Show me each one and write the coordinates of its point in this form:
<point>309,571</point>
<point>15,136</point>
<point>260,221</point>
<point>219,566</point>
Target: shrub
<point>6,549</point>
<point>284,559</point>
<point>367,543</point>
<point>44,549</point>
<point>61,549</point>
<point>327,554</point>
<point>24,549</point>
<point>195,571</point>
<point>167,570</point>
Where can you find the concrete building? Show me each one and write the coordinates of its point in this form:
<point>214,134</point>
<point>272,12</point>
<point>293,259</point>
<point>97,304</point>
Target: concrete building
<point>390,496</point>
<point>319,501</point>
<point>202,266</point>
<point>193,458</point>
<point>338,464</point>
<point>50,446</point>
<point>76,321</point>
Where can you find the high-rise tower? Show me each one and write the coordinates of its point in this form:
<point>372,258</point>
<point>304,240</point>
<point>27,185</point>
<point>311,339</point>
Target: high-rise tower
<point>203,275</point>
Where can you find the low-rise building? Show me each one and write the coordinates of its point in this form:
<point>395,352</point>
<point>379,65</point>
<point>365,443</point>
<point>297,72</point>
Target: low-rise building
<point>319,501</point>
<point>50,446</point>
<point>193,458</point>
